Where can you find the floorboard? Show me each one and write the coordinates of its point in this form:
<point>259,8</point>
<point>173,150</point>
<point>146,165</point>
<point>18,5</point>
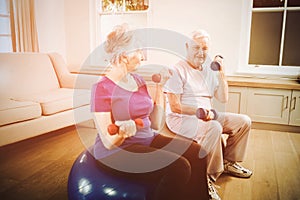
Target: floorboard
<point>38,168</point>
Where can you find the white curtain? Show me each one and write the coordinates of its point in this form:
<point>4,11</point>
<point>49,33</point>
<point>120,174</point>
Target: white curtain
<point>23,26</point>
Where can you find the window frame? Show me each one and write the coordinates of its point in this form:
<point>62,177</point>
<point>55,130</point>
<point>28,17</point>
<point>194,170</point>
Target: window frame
<point>96,30</point>
<point>7,35</point>
<point>244,67</point>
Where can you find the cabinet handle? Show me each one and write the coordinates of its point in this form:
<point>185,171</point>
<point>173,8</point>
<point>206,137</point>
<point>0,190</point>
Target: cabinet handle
<point>287,102</point>
<point>293,102</point>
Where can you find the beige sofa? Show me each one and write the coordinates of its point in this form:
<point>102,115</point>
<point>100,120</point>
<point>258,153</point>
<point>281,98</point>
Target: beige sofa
<point>38,94</point>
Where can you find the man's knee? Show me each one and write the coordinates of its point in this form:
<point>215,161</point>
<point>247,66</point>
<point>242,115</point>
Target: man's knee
<point>215,127</point>
<point>214,133</point>
<point>246,120</point>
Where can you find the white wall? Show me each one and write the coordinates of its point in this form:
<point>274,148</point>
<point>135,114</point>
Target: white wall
<point>222,19</point>
<point>77,29</point>
<point>63,27</point>
<point>51,26</point>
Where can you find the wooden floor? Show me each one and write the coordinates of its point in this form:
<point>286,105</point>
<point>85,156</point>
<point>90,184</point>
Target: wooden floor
<point>38,168</point>
<point>274,158</point>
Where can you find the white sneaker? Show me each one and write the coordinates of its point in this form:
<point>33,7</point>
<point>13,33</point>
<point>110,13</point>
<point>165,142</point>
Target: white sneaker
<point>235,169</point>
<point>213,194</point>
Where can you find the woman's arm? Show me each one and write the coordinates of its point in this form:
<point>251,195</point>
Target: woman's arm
<point>157,116</point>
<point>102,121</point>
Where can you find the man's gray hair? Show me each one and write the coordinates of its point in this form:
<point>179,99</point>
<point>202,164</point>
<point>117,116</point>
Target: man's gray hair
<point>199,33</point>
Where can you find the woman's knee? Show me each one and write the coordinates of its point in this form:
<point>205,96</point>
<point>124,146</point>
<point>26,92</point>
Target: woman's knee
<point>197,152</point>
<point>180,170</point>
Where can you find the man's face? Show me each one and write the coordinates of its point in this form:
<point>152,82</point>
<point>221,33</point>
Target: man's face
<point>197,51</point>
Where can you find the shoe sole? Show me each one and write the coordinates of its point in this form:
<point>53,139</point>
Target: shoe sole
<point>238,175</point>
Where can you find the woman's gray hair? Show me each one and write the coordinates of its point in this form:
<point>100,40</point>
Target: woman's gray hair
<point>118,42</point>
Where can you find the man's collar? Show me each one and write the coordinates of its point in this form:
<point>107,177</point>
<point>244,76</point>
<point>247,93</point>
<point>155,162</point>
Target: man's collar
<point>194,67</point>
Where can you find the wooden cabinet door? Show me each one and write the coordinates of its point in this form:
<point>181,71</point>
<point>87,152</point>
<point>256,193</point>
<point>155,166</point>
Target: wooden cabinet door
<point>269,105</point>
<point>237,101</point>
<point>295,108</point>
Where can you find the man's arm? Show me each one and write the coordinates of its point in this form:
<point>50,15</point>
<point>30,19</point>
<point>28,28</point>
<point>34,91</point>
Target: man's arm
<point>177,107</point>
<point>221,93</point>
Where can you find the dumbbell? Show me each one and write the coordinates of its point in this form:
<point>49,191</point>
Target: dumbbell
<point>114,129</point>
<point>206,115</point>
<point>156,78</point>
<point>215,66</point>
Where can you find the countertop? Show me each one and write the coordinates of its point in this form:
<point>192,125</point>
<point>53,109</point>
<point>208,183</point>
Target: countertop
<point>233,80</point>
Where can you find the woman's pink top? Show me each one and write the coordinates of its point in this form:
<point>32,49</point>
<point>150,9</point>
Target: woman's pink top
<point>124,105</point>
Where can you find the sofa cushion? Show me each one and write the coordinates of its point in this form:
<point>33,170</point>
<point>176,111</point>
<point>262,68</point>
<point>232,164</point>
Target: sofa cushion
<point>12,111</point>
<point>26,73</point>
<point>60,99</point>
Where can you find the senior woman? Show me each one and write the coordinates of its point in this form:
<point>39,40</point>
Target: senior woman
<point>138,152</point>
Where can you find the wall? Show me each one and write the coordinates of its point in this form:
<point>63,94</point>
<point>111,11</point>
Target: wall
<point>51,26</point>
<point>77,29</point>
<point>222,19</point>
<point>63,27</point>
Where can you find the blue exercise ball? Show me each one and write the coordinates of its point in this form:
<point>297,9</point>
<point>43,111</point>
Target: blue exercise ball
<point>89,181</point>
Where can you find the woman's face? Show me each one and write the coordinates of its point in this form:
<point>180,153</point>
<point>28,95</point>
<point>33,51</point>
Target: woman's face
<point>134,59</point>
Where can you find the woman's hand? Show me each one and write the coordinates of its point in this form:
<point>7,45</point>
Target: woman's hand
<point>162,77</point>
<point>126,128</point>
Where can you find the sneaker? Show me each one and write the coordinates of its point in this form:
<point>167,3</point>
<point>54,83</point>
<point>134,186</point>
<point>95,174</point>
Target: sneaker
<point>213,194</point>
<point>235,169</point>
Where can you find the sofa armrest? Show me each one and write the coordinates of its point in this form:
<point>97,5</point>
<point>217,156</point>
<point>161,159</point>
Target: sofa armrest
<point>85,81</point>
<point>69,80</point>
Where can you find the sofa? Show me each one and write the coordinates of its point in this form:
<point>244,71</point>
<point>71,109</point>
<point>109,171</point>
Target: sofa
<point>38,95</point>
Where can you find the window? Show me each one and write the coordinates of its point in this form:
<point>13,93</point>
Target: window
<point>114,12</point>
<point>275,30</point>
<point>106,14</point>
<point>5,34</point>
<point>123,6</point>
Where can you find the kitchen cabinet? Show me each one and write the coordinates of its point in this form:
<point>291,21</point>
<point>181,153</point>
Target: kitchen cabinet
<point>295,108</point>
<point>265,105</point>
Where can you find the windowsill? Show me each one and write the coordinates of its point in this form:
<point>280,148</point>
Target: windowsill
<point>269,71</point>
<point>263,82</point>
<point>284,77</point>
